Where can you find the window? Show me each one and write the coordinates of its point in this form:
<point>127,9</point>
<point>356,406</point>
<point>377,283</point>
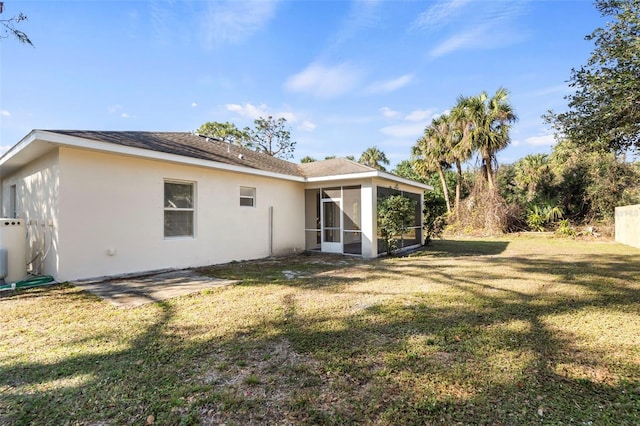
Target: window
<point>13,202</point>
<point>179,209</point>
<point>247,196</point>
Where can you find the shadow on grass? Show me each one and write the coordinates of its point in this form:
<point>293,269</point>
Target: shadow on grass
<point>448,248</point>
<point>484,354</point>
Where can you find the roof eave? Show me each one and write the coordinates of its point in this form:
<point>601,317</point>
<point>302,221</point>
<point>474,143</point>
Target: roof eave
<point>371,174</point>
<point>82,143</point>
<point>404,181</point>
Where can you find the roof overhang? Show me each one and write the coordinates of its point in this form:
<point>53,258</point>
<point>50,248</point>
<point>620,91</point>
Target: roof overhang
<point>371,174</point>
<point>39,142</point>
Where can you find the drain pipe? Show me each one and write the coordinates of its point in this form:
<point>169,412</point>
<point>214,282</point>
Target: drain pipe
<point>270,231</point>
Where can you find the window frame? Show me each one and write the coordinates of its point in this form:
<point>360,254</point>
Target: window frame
<point>251,197</point>
<point>13,201</point>
<point>191,209</point>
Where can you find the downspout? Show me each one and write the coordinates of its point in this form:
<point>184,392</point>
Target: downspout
<point>270,231</point>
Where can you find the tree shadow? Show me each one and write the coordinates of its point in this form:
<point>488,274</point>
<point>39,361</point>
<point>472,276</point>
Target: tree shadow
<point>483,354</point>
<point>447,248</point>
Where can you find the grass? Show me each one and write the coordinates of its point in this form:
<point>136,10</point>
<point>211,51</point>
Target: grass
<point>505,331</point>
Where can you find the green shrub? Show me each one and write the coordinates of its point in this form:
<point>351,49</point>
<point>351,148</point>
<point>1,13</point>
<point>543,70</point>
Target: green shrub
<point>565,229</point>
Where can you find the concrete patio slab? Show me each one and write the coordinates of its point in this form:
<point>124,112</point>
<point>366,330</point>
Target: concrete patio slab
<point>132,291</point>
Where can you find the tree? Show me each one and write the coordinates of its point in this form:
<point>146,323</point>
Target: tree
<point>431,153</point>
<point>225,132</point>
<point>605,107</point>
<point>395,215</point>
<point>593,181</point>
<point>9,29</point>
<point>461,145</point>
<point>405,169</point>
<point>373,157</point>
<point>307,159</point>
<point>489,121</point>
<point>533,173</point>
<point>434,216</point>
<point>271,137</point>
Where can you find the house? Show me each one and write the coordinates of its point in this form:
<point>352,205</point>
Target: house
<point>99,203</point>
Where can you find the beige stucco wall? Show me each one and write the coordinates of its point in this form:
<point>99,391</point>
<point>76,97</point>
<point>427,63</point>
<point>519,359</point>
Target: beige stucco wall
<point>112,219</point>
<point>628,225</point>
<point>37,203</point>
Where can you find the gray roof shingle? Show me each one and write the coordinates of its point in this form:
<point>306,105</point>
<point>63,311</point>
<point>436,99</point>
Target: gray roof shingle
<point>190,145</point>
<point>333,167</point>
<point>195,146</point>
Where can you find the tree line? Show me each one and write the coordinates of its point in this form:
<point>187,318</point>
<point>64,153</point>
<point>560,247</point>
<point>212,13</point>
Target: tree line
<point>583,179</point>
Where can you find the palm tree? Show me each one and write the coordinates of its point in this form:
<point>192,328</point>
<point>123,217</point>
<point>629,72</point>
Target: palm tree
<point>461,145</point>
<point>532,171</point>
<point>489,121</point>
<point>372,157</point>
<point>431,153</point>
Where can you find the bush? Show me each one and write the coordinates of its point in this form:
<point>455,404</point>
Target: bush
<point>395,215</point>
<point>539,215</point>
<point>435,211</point>
<point>565,229</point>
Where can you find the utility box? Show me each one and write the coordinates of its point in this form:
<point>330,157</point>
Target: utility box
<point>13,238</point>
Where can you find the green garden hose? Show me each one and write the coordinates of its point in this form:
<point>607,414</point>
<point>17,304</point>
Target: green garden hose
<point>34,281</point>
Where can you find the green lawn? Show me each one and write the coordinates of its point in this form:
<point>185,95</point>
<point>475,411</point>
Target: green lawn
<point>501,331</point>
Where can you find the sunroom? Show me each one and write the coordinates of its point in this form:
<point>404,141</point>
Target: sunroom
<point>341,217</point>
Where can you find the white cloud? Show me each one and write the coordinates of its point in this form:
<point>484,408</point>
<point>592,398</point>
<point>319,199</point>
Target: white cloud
<point>419,115</point>
<point>363,14</point>
<point>193,104</point>
<point>439,14</point>
<point>324,81</point>
<point>545,140</point>
<point>4,148</point>
<point>389,113</point>
<point>289,116</point>
<point>119,110</point>
<point>477,37</point>
<point>390,85</point>
<point>484,25</point>
<point>248,110</point>
<point>254,112</point>
<point>5,113</point>
<point>404,130</point>
<point>234,21</point>
<point>307,126</point>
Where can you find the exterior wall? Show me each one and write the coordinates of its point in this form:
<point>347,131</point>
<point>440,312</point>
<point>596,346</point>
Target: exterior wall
<point>628,225</point>
<point>37,203</point>
<point>369,221</point>
<point>112,216</point>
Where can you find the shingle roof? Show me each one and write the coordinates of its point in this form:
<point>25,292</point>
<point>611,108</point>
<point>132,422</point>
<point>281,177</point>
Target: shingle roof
<point>195,146</point>
<point>333,167</point>
<point>190,145</point>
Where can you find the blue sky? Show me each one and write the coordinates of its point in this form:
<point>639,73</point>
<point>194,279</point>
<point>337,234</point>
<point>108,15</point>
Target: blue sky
<point>346,75</point>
